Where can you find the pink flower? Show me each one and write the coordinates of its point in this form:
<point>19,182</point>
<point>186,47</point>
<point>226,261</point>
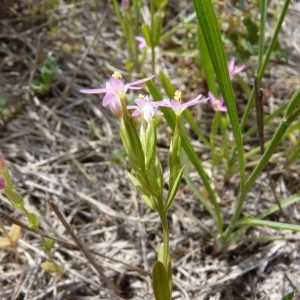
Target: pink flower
<point>234,70</point>
<point>2,183</point>
<point>145,107</point>
<point>115,91</point>
<point>142,41</point>
<point>176,104</point>
<point>217,104</point>
<point>124,4</point>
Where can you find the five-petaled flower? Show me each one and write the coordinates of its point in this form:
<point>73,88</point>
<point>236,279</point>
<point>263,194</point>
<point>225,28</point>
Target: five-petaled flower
<point>115,91</point>
<point>176,104</point>
<point>217,104</point>
<point>145,107</point>
<point>234,70</point>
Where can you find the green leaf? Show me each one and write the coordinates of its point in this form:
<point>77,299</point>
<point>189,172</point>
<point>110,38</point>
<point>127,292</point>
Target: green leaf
<point>174,158</point>
<point>167,85</point>
<point>159,175</point>
<point>147,35</point>
<point>160,282</point>
<point>173,190</point>
<point>132,143</point>
<point>147,197</point>
<point>32,220</point>
<point>161,4</point>
<point>206,63</point>
<point>168,266</point>
<point>211,32</point>
<point>48,243</point>
<point>52,267</point>
<point>4,172</point>
<point>290,296</point>
<point>150,139</point>
<point>157,25</point>
<point>14,197</point>
<point>277,225</point>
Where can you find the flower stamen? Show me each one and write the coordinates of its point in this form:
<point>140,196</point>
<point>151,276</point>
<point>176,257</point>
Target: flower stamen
<point>117,75</point>
<point>177,95</point>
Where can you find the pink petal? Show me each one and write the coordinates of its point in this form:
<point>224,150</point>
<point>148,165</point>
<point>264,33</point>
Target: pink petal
<point>211,98</point>
<point>94,91</point>
<point>136,113</point>
<point>130,85</point>
<point>116,84</point>
<point>109,98</point>
<point>239,69</point>
<point>231,64</point>
<point>194,101</point>
<point>142,42</point>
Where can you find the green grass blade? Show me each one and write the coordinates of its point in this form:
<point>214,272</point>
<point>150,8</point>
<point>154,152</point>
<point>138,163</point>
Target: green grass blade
<point>277,225</point>
<point>262,29</point>
<point>288,118</point>
<point>265,62</point>
<point>206,63</point>
<point>209,26</point>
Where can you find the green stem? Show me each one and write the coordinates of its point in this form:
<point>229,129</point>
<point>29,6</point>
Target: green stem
<point>152,10</point>
<point>214,132</point>
<point>165,228</point>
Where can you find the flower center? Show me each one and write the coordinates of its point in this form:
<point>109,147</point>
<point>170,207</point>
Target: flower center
<point>117,75</point>
<point>177,96</point>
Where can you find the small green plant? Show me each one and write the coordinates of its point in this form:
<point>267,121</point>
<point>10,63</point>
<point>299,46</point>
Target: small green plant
<point>42,83</point>
<point>17,201</point>
<point>140,146</point>
<point>3,101</point>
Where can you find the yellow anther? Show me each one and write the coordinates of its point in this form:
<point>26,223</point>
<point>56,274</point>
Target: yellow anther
<point>177,96</point>
<point>117,74</point>
<point>141,96</point>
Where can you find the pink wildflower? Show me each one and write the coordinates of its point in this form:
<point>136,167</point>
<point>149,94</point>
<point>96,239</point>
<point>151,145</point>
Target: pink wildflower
<point>234,70</point>
<point>217,104</point>
<point>115,91</point>
<point>145,107</point>
<point>142,41</point>
<point>124,4</point>
<point>2,183</point>
<point>176,104</point>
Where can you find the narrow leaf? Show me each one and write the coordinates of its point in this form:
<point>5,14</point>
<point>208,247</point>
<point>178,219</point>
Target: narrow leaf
<point>173,189</point>
<point>146,196</point>
<point>209,26</point>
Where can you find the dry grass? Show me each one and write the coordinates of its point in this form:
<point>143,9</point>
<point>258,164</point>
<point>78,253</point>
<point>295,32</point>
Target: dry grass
<point>53,156</point>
